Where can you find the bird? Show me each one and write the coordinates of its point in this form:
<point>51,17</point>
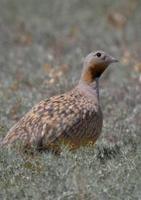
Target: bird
<point>73,118</point>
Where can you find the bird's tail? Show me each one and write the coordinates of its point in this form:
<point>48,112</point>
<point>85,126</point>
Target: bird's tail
<point>10,138</point>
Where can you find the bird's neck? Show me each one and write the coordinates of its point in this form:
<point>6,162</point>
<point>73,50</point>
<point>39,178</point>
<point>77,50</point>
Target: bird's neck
<point>92,72</point>
<point>91,90</point>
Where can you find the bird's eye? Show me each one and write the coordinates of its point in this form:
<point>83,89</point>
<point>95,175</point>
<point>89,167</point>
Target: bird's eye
<point>98,54</point>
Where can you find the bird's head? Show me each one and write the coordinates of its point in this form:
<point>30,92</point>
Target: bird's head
<point>95,64</point>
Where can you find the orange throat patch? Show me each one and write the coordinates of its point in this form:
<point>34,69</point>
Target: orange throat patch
<point>93,72</point>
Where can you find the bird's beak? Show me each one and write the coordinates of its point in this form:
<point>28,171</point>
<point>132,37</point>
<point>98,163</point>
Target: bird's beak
<point>112,59</point>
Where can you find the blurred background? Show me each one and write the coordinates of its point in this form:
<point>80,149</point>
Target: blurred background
<point>42,46</point>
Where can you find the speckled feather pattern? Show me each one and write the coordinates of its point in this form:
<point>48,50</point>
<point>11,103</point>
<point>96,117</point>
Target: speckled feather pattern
<point>70,118</point>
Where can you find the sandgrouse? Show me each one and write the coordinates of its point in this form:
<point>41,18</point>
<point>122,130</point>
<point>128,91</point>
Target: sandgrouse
<point>73,118</point>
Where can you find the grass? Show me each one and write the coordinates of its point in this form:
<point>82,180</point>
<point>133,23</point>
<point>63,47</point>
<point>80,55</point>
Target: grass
<point>41,49</point>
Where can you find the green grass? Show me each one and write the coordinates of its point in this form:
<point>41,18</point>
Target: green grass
<point>36,34</point>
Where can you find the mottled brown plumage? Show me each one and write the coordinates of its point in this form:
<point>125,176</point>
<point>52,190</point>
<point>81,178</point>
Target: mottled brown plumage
<point>73,118</point>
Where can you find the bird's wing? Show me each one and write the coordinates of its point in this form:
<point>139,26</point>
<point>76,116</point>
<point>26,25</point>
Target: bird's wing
<point>68,117</point>
<point>54,117</point>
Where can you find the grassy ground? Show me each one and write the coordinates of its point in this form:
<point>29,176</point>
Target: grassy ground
<point>42,44</point>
